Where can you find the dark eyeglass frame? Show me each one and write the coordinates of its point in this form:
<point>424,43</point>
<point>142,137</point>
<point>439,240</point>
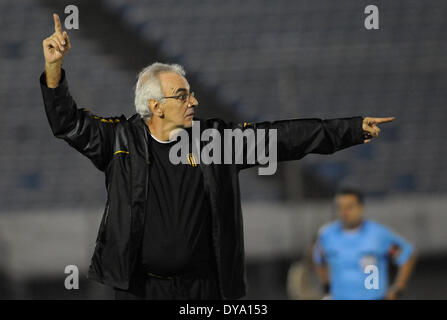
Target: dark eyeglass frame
<point>185,95</point>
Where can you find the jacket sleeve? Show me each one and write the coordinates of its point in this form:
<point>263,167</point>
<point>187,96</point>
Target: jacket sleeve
<point>91,135</point>
<point>296,138</point>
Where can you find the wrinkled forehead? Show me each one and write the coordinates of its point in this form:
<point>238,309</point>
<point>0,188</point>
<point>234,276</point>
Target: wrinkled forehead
<point>171,82</point>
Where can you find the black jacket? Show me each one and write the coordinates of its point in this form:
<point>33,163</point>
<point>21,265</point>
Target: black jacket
<point>118,147</point>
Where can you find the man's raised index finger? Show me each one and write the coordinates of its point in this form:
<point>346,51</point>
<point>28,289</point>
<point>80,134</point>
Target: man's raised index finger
<point>384,120</point>
<point>57,23</point>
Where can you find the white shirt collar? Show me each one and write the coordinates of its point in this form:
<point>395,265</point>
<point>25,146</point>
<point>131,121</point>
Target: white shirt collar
<point>160,141</point>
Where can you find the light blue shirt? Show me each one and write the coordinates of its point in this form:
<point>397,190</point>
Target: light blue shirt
<point>348,252</point>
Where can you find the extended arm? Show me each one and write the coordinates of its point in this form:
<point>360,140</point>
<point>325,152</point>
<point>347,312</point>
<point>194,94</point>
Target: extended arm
<point>295,138</point>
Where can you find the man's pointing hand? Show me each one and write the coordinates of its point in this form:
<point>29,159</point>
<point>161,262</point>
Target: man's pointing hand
<point>56,46</point>
<point>370,128</point>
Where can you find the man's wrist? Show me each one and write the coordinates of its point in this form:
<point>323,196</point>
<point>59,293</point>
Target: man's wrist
<point>357,126</point>
<point>53,72</point>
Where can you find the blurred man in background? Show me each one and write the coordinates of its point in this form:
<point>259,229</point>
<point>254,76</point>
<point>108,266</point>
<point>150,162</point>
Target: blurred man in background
<point>345,250</point>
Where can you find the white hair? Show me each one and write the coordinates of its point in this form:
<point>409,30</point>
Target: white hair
<point>149,87</point>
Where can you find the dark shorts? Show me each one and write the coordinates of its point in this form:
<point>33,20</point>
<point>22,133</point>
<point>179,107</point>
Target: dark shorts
<point>199,285</point>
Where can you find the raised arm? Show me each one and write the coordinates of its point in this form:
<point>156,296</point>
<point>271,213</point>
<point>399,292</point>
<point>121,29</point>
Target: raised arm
<point>91,135</point>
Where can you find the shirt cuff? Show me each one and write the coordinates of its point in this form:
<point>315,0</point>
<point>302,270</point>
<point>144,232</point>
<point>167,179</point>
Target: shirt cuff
<point>357,129</point>
<point>62,81</point>
<point>54,93</point>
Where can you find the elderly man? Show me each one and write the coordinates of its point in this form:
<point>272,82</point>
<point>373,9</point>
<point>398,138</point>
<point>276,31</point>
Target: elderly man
<point>171,231</point>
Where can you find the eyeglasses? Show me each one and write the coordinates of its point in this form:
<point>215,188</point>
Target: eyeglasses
<point>182,97</point>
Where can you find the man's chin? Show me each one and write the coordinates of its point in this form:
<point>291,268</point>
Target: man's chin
<point>188,123</point>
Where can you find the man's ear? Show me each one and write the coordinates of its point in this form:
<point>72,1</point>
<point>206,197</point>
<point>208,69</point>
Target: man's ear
<point>154,106</point>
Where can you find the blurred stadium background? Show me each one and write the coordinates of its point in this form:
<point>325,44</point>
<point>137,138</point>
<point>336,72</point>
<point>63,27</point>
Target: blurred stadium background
<point>247,60</point>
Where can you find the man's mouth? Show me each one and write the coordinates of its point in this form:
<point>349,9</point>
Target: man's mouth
<point>189,115</point>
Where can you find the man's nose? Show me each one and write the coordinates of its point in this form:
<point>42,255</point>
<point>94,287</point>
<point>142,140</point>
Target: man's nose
<point>193,102</point>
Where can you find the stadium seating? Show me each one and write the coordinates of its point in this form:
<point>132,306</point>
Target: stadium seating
<point>265,59</point>
<point>315,59</point>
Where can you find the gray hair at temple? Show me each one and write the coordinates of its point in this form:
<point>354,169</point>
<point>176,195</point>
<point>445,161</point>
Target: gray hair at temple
<point>149,87</point>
